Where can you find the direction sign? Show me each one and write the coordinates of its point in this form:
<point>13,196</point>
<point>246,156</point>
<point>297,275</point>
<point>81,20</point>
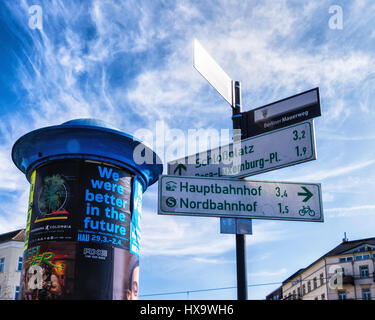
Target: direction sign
<point>212,72</point>
<point>279,114</point>
<point>269,151</point>
<point>235,198</point>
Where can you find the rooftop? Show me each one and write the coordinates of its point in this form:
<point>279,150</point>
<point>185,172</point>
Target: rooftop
<point>16,235</point>
<point>342,248</point>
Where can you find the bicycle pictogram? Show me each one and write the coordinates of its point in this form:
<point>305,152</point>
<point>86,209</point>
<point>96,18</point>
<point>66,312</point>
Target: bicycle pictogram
<point>308,210</point>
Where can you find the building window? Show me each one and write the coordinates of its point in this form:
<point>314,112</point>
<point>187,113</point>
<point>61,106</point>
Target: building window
<point>342,259</point>
<point>17,293</point>
<point>358,257</point>
<point>315,283</point>
<point>342,295</point>
<point>321,279</point>
<point>349,259</point>
<point>366,256</point>
<point>363,271</point>
<point>2,264</point>
<point>303,289</point>
<point>323,296</point>
<point>366,294</point>
<point>19,265</point>
<point>308,286</point>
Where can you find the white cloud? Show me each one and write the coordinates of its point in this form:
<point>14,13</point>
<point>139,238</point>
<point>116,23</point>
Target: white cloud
<point>350,211</point>
<point>255,56</point>
<point>212,260</point>
<point>164,235</point>
<point>195,236</point>
<point>13,213</point>
<point>245,42</point>
<point>276,273</point>
<point>337,171</point>
<point>339,137</point>
<point>11,178</point>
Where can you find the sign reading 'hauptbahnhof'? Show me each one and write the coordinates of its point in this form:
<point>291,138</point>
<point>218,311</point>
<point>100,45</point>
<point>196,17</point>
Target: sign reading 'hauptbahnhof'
<point>196,196</point>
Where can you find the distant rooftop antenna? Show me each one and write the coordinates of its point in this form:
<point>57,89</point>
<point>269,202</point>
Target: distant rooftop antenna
<point>345,238</point>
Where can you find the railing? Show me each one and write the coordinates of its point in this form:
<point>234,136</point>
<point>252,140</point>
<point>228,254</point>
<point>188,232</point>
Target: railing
<point>348,280</point>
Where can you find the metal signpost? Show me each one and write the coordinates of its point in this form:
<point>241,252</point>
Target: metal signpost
<point>271,137</point>
<point>241,224</point>
<point>236,198</point>
<point>231,91</point>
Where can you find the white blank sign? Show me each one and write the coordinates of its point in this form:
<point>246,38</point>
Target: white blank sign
<point>212,72</point>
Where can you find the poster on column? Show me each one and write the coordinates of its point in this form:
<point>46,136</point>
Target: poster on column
<point>53,203</point>
<point>135,231</point>
<point>48,271</point>
<point>84,233</point>
<point>83,201</point>
<point>106,197</point>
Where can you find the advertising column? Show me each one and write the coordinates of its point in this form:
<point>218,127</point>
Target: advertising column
<point>83,230</point>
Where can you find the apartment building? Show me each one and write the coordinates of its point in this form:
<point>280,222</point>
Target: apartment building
<point>11,254</point>
<point>345,272</point>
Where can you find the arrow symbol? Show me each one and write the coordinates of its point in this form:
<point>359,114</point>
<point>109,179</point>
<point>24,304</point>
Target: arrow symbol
<point>179,168</point>
<point>308,194</point>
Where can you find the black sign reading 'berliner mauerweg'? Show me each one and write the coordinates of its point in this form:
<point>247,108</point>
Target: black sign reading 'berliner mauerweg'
<point>279,114</point>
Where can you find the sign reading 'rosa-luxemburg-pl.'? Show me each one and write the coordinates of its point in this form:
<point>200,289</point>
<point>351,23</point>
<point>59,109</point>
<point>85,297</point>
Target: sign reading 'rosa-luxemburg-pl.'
<point>265,152</point>
<point>234,198</point>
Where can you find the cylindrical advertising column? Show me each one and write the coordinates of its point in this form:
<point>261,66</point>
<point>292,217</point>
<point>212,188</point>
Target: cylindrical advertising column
<point>83,221</point>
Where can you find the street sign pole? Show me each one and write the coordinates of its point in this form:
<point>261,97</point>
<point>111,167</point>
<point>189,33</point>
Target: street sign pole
<point>231,91</point>
<point>240,238</point>
<point>241,267</point>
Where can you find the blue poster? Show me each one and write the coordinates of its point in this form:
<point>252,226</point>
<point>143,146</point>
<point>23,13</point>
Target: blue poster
<point>135,233</point>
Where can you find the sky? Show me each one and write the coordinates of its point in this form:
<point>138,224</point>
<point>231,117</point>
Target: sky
<point>130,63</point>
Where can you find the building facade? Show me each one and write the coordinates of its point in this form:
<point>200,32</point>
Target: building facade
<point>345,272</point>
<point>11,255</point>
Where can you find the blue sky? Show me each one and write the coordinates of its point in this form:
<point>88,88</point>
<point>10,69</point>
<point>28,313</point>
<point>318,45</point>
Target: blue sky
<point>130,63</point>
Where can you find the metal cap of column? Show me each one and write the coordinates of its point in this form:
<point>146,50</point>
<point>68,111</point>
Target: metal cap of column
<point>85,139</point>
